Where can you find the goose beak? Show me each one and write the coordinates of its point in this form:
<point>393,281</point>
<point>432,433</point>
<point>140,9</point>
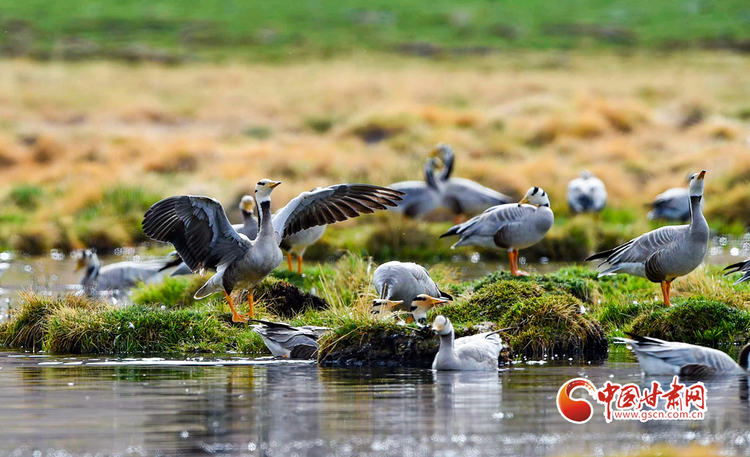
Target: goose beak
<point>701,175</point>
<point>439,301</point>
<point>435,152</point>
<point>274,184</point>
<point>79,264</point>
<point>524,200</point>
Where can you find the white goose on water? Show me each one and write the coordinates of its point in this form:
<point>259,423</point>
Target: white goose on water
<point>470,353</point>
<point>665,253</point>
<point>203,237</point>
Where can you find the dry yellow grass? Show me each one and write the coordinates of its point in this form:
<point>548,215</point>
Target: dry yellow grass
<point>640,122</point>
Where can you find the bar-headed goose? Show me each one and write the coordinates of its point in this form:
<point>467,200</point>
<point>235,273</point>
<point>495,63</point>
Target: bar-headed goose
<point>659,357</point>
<point>665,253</point>
<point>120,275</point>
<point>398,285</point>
<point>586,194</point>
<point>203,237</point>
<point>287,341</point>
<point>420,197</point>
<point>298,243</point>
<point>512,226</point>
<point>470,353</point>
<point>463,197</point>
<point>421,304</point>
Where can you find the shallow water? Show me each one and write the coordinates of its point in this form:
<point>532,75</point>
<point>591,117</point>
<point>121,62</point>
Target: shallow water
<point>236,406</point>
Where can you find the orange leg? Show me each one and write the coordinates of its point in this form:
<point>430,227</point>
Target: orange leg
<point>666,291</point>
<point>289,261</point>
<point>513,268</point>
<point>251,302</point>
<point>236,317</point>
<point>299,264</point>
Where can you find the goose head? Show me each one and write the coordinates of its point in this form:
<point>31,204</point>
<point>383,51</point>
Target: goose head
<point>442,151</point>
<point>423,303</point>
<point>264,188</point>
<point>696,184</point>
<point>86,259</point>
<point>745,357</point>
<point>585,174</point>
<point>432,165</point>
<point>442,326</point>
<point>247,204</point>
<point>384,306</point>
<point>536,196</point>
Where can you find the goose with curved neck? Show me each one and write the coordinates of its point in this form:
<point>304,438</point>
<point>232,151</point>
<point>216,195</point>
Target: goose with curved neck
<point>666,253</point>
<point>420,197</point>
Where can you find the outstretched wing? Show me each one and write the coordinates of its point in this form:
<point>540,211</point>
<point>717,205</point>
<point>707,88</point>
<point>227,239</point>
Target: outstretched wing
<point>198,228</point>
<point>327,205</point>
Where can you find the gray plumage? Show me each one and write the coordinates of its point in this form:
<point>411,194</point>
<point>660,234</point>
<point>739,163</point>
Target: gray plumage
<point>284,340</point>
<point>586,194</point>
<point>463,196</point>
<point>120,275</point>
<point>420,197</point>
<point>671,205</point>
<point>403,281</point>
<point>203,237</point>
<point>743,267</point>
<point>659,357</point>
<point>470,353</point>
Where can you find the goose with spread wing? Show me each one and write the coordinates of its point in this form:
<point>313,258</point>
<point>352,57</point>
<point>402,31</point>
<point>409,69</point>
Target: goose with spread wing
<point>469,353</point>
<point>659,357</point>
<point>420,197</point>
<point>666,253</point>
<point>287,341</point>
<point>199,230</point>
<point>463,196</point>
<point>512,226</point>
<point>586,194</point>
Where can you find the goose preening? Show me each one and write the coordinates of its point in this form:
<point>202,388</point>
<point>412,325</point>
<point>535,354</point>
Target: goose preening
<point>199,230</point>
<point>248,227</point>
<point>120,275</point>
<point>469,353</point>
<point>665,253</point>
<point>287,341</point>
<point>298,243</point>
<point>672,204</point>
<point>586,194</point>
<point>743,267</point>
<point>659,357</point>
<point>399,283</point>
<point>463,196</point>
<point>511,226</point>
<point>420,197</point>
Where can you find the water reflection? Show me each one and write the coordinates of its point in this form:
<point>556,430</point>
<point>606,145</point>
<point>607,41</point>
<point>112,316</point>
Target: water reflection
<point>235,406</point>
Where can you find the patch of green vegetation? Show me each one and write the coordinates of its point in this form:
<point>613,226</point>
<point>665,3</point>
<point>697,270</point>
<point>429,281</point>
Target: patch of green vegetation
<point>26,196</point>
<point>173,291</point>
<point>258,132</point>
<point>319,124</point>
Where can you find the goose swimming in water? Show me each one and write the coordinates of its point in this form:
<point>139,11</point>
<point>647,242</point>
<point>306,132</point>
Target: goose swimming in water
<point>287,341</point>
<point>659,357</point>
<point>665,253</point>
<point>470,353</point>
<point>512,226</point>
<point>398,285</point>
<point>420,197</point>
<point>463,197</point>
<point>586,194</point>
<point>120,275</point>
<point>203,237</point>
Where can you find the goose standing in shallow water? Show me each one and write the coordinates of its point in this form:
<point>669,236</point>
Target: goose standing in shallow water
<point>120,275</point>
<point>512,226</point>
<point>586,194</point>
<point>398,285</point>
<point>203,237</point>
<point>284,340</point>
<point>659,357</point>
<point>665,253</point>
<point>463,196</point>
<point>470,353</point>
<point>420,197</point>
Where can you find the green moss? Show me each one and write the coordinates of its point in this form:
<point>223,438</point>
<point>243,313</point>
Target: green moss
<point>173,291</point>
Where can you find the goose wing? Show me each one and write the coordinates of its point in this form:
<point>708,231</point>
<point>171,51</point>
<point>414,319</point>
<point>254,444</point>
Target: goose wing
<point>743,267</point>
<point>331,204</point>
<point>697,359</point>
<point>198,228</point>
<point>471,196</point>
<point>418,199</point>
<point>639,250</point>
<point>492,220</point>
<point>483,348</point>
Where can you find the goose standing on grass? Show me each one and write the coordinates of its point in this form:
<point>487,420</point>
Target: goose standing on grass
<point>298,243</point>
<point>672,204</point>
<point>512,226</point>
<point>659,357</point>
<point>470,353</point>
<point>463,197</point>
<point>665,253</point>
<point>586,194</point>
<point>286,341</point>
<point>420,197</point>
<point>400,283</point>
<point>120,275</point>
<point>203,237</point>
<point>248,227</point>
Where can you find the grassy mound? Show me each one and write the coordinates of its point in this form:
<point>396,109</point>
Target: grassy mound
<point>286,300</point>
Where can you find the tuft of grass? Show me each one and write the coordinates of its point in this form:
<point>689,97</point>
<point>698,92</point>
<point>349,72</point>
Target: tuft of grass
<point>26,196</point>
<point>173,291</point>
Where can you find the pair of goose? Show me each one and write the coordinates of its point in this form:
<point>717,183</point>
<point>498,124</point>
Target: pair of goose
<point>439,190</point>
<point>295,244</point>
<point>198,228</point>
